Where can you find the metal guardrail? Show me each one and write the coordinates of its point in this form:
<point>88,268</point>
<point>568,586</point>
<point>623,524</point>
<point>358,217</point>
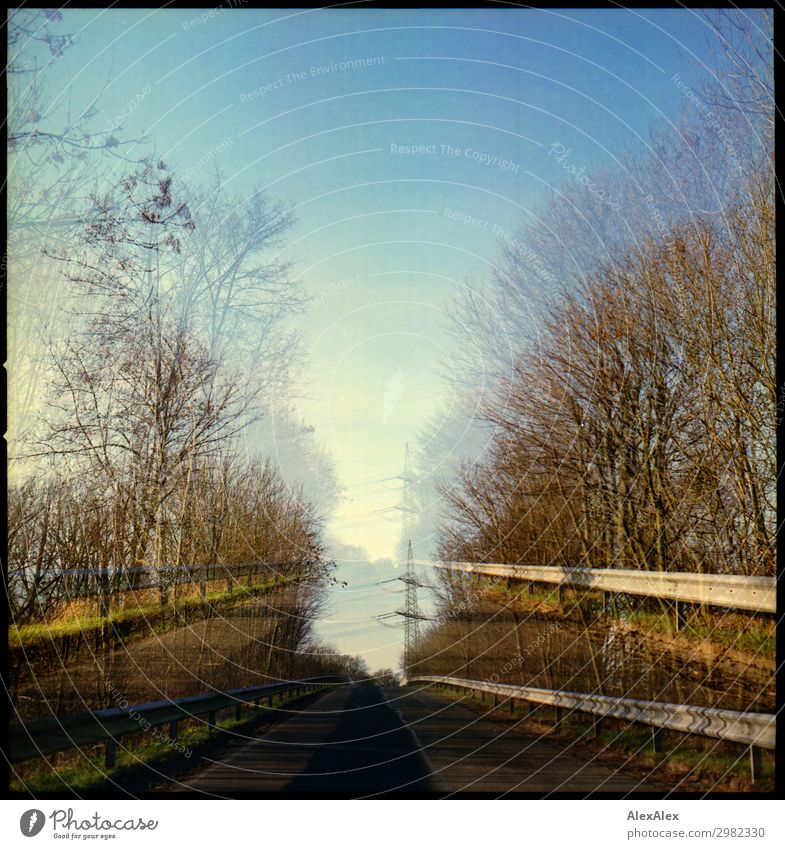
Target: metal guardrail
<point>752,729</point>
<point>732,591</point>
<point>48,735</point>
<point>756,730</point>
<point>104,587</point>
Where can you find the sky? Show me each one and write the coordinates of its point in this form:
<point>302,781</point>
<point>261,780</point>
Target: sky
<point>407,143</point>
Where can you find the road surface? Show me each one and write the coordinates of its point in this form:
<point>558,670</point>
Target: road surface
<point>364,741</point>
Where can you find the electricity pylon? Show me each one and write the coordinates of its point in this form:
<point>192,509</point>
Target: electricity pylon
<point>411,610</point>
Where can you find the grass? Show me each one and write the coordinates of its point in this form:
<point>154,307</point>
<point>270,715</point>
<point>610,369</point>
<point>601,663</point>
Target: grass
<point>535,599</point>
<point>748,636</point>
<point>754,640</point>
<point>745,634</point>
<point>143,761</point>
<point>137,618</point>
<point>701,763</point>
<point>535,594</point>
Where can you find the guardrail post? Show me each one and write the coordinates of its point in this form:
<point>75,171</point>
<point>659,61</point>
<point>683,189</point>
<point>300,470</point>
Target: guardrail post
<point>558,718</point>
<point>105,601</point>
<point>680,617</point>
<point>511,705</point>
<point>656,739</point>
<point>532,708</point>
<point>211,719</point>
<point>496,700</point>
<point>238,711</point>
<point>173,730</point>
<point>269,701</point>
<point>597,727</point>
<point>256,702</point>
<point>756,763</point>
<point>110,753</point>
<point>561,593</point>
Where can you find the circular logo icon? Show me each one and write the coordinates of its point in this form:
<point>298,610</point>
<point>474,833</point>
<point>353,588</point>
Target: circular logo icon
<point>31,822</point>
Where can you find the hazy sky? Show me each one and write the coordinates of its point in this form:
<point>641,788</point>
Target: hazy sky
<point>407,143</point>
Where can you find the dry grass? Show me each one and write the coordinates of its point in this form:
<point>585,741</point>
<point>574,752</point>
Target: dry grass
<point>736,636</point>
<point>224,643</point>
<point>137,608</point>
<point>89,607</point>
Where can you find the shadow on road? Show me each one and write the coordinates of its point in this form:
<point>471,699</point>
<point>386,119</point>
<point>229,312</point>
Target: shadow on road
<point>369,752</point>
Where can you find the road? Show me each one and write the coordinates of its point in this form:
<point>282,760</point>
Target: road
<point>364,741</point>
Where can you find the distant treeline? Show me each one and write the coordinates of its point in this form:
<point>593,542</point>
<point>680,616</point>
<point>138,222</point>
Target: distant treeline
<point>229,522</point>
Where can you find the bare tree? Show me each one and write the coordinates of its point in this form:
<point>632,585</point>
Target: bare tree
<point>55,156</point>
<point>232,284</point>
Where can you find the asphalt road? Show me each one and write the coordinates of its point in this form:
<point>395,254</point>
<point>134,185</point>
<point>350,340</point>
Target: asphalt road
<point>362,741</point>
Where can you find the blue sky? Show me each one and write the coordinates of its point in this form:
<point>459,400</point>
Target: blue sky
<point>319,108</point>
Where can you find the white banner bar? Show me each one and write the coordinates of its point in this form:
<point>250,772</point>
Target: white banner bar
<point>604,824</point>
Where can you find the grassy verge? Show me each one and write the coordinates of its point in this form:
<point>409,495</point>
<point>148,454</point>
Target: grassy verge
<point>28,642</point>
<point>739,633</point>
<point>142,761</point>
<point>750,637</point>
<point>688,763</point>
